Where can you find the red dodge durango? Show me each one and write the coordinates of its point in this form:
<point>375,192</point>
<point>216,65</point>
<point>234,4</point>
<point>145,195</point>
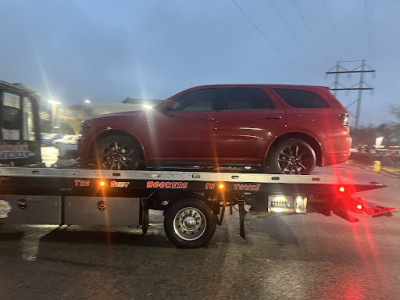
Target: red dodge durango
<point>286,129</point>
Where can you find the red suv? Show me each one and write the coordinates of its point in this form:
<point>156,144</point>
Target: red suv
<point>279,128</point>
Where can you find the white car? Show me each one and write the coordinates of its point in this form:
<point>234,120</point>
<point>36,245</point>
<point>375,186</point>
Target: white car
<point>67,145</point>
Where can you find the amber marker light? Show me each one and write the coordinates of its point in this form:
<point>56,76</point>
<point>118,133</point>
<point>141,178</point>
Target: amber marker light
<point>221,186</point>
<point>102,183</point>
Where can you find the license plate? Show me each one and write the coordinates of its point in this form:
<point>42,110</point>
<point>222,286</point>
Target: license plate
<point>296,204</point>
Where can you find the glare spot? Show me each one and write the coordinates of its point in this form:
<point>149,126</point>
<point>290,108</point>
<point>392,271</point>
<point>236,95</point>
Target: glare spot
<point>147,106</point>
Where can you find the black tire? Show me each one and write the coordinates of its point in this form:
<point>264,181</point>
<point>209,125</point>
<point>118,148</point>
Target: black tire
<point>291,156</point>
<point>189,223</point>
<point>118,152</point>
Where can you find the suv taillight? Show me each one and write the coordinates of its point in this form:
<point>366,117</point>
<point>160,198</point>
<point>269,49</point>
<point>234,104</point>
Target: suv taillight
<point>345,119</point>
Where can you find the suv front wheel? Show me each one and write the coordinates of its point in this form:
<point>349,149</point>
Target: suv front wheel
<point>291,156</point>
<point>118,152</point>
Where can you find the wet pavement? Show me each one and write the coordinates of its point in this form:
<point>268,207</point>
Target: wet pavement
<point>288,257</point>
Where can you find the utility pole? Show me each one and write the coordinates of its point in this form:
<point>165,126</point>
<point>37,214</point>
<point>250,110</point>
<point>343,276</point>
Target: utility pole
<point>360,86</point>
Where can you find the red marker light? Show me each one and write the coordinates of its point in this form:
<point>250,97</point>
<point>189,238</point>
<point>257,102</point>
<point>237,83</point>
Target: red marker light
<point>342,189</point>
<point>359,206</point>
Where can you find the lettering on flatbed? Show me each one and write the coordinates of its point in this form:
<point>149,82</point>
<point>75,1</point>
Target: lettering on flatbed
<point>80,182</point>
<point>166,185</point>
<point>246,187</point>
<point>119,184</point>
<point>210,186</point>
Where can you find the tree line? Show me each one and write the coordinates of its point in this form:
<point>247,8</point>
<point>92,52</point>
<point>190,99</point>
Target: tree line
<point>390,131</point>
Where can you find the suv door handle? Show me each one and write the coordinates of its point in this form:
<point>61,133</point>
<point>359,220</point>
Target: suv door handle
<point>274,118</point>
<point>206,119</point>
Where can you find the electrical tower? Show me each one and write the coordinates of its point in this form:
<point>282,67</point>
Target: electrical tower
<point>360,86</point>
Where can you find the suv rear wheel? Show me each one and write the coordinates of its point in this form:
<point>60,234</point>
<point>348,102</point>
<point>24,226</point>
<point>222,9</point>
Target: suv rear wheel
<point>118,152</point>
<point>292,156</point>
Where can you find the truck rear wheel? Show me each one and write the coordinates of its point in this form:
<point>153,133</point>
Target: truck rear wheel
<point>189,223</point>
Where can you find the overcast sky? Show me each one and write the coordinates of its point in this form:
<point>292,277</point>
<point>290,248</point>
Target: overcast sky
<point>71,50</point>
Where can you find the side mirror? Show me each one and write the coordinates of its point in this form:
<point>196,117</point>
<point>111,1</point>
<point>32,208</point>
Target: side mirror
<point>167,108</point>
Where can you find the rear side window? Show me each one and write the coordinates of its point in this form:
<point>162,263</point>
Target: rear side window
<point>246,99</point>
<point>196,101</point>
<point>301,99</point>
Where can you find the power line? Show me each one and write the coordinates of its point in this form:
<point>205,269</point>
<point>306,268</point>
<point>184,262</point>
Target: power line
<point>264,36</point>
<point>360,86</point>
<point>283,19</point>
<point>368,20</point>
<point>308,28</point>
<point>330,23</point>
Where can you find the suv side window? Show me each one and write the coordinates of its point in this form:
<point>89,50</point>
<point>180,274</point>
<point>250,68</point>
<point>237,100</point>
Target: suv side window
<point>196,101</point>
<point>246,99</point>
<point>301,99</point>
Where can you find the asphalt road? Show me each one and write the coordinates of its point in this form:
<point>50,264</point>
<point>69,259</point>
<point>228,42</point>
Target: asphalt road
<point>289,257</point>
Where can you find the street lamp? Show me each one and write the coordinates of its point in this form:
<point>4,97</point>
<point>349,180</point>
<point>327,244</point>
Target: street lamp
<point>87,106</point>
<point>53,113</point>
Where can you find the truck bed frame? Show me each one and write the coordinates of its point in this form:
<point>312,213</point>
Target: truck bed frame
<point>193,202</point>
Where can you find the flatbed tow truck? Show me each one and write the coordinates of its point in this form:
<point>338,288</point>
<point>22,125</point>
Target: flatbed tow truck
<point>193,202</point>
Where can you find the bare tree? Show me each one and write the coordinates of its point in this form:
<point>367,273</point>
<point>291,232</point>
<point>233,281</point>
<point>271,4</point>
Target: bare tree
<point>395,111</point>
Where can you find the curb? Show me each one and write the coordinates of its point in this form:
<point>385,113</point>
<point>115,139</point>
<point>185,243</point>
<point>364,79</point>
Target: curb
<point>384,170</point>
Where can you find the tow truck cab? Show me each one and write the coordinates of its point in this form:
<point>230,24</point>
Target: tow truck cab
<point>19,125</point>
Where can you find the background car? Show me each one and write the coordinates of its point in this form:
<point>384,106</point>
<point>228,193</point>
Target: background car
<point>277,128</point>
<point>67,145</point>
<point>68,139</point>
<point>49,138</point>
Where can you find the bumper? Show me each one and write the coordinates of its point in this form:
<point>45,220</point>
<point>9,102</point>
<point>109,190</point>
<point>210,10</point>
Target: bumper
<point>337,151</point>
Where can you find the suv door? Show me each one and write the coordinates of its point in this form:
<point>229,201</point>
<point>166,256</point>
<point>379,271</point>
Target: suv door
<point>317,112</point>
<point>247,124</point>
<point>186,131</point>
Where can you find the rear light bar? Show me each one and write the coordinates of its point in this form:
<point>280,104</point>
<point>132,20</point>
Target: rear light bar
<point>345,119</point>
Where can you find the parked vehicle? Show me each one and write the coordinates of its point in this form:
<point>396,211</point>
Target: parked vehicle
<point>19,125</point>
<point>67,146</point>
<point>278,128</point>
<point>48,139</point>
<point>394,150</point>
<point>69,139</point>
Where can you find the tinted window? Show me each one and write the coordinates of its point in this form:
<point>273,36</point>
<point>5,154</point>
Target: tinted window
<point>198,100</point>
<point>11,117</point>
<point>301,99</point>
<point>246,98</point>
<point>29,130</point>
